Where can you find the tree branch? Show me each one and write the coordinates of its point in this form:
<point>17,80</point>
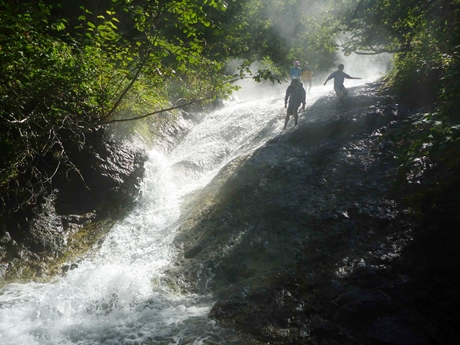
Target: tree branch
<point>125,91</point>
<point>375,51</point>
<point>155,112</point>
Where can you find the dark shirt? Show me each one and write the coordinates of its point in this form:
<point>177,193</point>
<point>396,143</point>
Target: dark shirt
<point>295,95</point>
<point>339,77</point>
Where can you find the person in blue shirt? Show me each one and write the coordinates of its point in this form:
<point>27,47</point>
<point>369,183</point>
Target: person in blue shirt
<point>339,77</point>
<point>295,72</point>
<point>295,94</point>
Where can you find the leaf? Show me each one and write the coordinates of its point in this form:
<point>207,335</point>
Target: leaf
<point>60,26</point>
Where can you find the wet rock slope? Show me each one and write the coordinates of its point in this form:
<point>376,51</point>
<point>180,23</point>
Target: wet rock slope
<point>306,240</point>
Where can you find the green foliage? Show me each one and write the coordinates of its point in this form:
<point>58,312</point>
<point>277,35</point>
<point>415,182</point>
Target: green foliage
<point>282,32</point>
<point>420,33</point>
<point>425,38</point>
<point>41,89</point>
<point>58,82</point>
<point>69,67</point>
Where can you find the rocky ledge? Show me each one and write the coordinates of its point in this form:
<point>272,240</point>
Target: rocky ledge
<point>46,238</point>
<point>36,240</point>
<point>309,241</point>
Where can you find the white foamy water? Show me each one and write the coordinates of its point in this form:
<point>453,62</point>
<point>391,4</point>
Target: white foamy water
<point>115,296</point>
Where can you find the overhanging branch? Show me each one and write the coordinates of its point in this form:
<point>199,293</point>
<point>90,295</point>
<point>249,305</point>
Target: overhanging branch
<point>125,91</point>
<point>156,112</point>
<point>375,51</point>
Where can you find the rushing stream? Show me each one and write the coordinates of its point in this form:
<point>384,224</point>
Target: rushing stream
<point>115,296</point>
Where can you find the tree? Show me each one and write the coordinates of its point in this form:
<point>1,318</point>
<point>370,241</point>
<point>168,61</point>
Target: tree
<point>275,33</point>
<point>425,38</point>
<point>57,83</point>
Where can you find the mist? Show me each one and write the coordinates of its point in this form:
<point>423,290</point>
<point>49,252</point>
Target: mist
<point>285,25</point>
<point>363,66</point>
<point>367,67</point>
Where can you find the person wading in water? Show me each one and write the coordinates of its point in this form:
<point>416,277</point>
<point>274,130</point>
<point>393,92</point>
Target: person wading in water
<point>339,77</point>
<point>295,72</point>
<point>307,76</point>
<point>295,94</point>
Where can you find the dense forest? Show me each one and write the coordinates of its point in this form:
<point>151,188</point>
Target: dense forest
<point>70,67</point>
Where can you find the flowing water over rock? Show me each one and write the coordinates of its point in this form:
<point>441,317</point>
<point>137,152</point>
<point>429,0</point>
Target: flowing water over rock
<point>236,203</point>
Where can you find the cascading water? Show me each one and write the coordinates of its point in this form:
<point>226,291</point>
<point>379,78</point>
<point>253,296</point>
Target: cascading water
<point>116,295</point>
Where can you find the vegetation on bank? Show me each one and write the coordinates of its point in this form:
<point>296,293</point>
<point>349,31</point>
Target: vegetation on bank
<point>426,39</point>
<point>69,67</point>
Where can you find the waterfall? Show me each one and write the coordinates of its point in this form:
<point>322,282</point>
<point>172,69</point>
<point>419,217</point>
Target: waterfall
<point>116,296</point>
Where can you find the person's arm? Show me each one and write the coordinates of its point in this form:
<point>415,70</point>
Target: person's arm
<point>328,78</point>
<point>350,77</point>
<point>304,96</point>
<point>288,91</point>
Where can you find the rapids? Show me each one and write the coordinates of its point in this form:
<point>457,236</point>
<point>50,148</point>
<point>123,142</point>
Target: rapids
<point>117,296</point>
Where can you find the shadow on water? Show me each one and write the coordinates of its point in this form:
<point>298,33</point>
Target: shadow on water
<point>278,234</point>
<point>301,175</point>
<point>274,245</point>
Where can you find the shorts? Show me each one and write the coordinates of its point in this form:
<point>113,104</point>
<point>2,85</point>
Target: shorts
<point>341,91</point>
<point>290,110</point>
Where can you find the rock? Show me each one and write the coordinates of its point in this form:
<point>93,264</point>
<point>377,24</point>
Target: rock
<point>103,187</point>
<point>306,240</point>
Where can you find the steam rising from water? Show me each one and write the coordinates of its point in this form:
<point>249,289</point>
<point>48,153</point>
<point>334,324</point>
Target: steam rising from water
<point>368,67</point>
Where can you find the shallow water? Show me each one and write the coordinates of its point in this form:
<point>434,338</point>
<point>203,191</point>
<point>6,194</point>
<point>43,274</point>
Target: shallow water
<point>116,296</point>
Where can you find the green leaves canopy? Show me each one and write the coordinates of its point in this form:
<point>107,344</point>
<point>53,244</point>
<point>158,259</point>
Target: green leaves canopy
<point>68,67</point>
<point>59,81</point>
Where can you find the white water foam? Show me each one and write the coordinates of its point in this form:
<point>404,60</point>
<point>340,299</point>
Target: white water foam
<point>115,296</point>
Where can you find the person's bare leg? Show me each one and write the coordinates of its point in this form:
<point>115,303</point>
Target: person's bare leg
<point>344,94</point>
<point>286,120</point>
<point>339,96</point>
<point>296,116</point>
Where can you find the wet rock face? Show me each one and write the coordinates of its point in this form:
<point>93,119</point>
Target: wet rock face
<point>309,183</point>
<point>108,171</point>
<point>103,187</point>
<point>303,242</point>
<point>83,202</point>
